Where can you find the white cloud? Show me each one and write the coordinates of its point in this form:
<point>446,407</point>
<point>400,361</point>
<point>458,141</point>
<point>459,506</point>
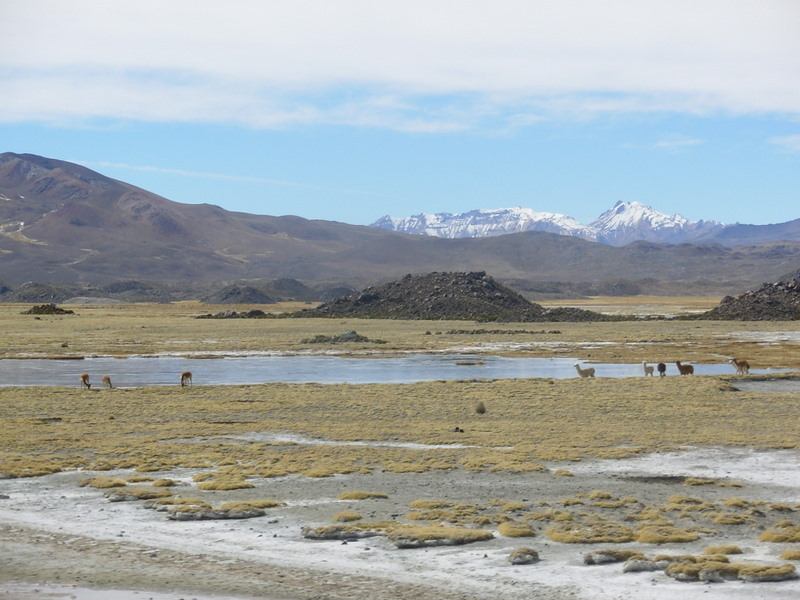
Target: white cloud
<point>270,63</point>
<point>674,143</point>
<point>220,176</point>
<point>787,142</point>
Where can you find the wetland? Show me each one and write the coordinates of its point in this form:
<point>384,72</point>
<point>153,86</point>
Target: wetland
<point>704,461</point>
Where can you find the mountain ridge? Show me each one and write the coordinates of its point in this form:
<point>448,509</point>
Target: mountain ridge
<point>624,223</point>
<point>61,222</point>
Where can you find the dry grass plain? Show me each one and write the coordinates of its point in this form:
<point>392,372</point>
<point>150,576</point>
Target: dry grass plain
<point>536,418</point>
<point>531,426</point>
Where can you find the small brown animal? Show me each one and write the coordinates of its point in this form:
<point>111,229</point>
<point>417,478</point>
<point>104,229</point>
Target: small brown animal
<point>648,369</point>
<point>685,369</point>
<point>742,366</point>
<point>85,381</point>
<point>587,372</point>
<point>186,378</point>
<point>107,381</point>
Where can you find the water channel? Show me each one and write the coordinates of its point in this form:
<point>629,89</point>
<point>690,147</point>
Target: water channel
<point>141,371</point>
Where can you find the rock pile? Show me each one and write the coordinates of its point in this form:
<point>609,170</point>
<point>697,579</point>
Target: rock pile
<point>48,309</point>
<point>444,295</point>
<point>771,302</point>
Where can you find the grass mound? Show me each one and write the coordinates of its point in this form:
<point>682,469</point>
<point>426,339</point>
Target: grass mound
<point>598,532</point>
<point>410,536</point>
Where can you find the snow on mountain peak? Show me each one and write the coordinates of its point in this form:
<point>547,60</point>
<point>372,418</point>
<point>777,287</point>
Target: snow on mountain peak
<point>624,223</point>
<point>485,223</point>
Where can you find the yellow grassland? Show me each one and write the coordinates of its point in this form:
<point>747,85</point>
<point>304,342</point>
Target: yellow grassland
<point>527,423</point>
<point>156,428</point>
<point>121,330</point>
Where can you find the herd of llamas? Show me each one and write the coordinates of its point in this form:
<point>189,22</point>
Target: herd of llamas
<point>742,368</point>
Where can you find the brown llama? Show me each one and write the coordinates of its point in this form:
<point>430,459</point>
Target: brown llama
<point>742,366</point>
<point>107,381</point>
<point>685,369</point>
<point>186,378</point>
<point>85,381</point>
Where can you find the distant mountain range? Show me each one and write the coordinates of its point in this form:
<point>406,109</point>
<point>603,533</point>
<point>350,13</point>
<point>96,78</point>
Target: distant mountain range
<point>626,222</point>
<point>62,222</point>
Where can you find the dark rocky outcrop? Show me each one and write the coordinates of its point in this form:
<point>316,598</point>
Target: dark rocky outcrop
<point>347,336</point>
<point>232,314</point>
<point>444,295</point>
<point>48,309</point>
<point>239,294</point>
<point>771,302</point>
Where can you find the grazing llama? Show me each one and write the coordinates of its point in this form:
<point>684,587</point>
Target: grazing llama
<point>587,372</point>
<point>662,369</point>
<point>85,381</point>
<point>186,378</point>
<point>685,369</point>
<point>107,381</point>
<point>648,369</point>
<point>742,366</point>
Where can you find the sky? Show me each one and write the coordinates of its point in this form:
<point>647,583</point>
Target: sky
<point>348,110</point>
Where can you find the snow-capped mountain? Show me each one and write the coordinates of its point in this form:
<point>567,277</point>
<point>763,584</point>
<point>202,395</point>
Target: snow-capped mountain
<point>486,223</point>
<point>626,222</point>
<point>631,221</point>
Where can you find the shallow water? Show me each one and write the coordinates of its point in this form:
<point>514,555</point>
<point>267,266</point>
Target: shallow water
<point>140,371</point>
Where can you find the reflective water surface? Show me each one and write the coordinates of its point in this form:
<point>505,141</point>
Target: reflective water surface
<point>139,371</point>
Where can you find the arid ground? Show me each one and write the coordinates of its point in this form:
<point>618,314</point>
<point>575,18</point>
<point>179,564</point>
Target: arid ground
<point>131,489</point>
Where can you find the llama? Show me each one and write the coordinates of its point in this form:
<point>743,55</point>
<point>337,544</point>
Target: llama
<point>186,378</point>
<point>685,369</point>
<point>662,369</point>
<point>85,381</point>
<point>587,372</point>
<point>742,366</point>
<point>107,381</point>
<point>648,369</point>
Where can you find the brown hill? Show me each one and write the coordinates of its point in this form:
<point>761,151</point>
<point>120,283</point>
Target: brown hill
<point>63,223</point>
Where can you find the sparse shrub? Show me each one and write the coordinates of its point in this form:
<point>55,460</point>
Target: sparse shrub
<point>590,533</point>
<point>358,495</point>
<point>783,532</point>
<point>515,529</point>
<point>599,495</point>
<point>103,482</point>
<point>133,493</point>
<point>698,481</point>
<point>761,573</point>
<point>437,503</point>
<point>346,516</point>
<point>436,535</point>
<point>245,504</point>
<point>790,554</point>
<point>221,484</point>
<point>722,550</point>
<point>663,534</point>
<point>610,555</point>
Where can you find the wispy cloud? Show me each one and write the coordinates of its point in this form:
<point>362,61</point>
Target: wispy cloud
<point>395,64</point>
<point>675,143</point>
<point>223,177</point>
<point>787,142</point>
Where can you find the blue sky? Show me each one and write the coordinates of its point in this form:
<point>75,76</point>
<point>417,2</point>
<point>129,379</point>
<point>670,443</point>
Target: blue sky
<point>348,110</point>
